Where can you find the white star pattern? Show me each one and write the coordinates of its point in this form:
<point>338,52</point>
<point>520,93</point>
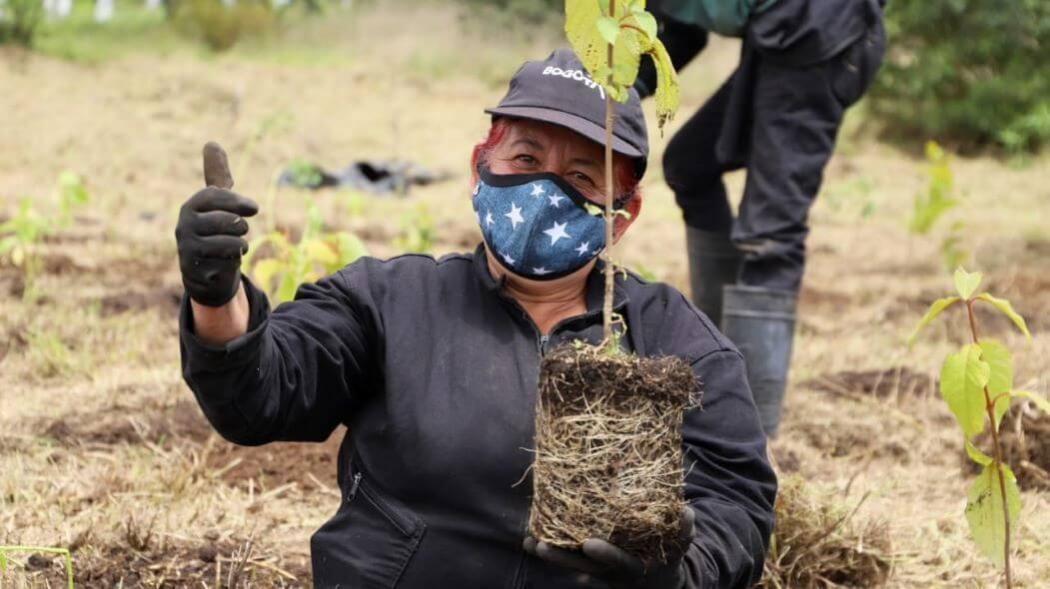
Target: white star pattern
<point>537,190</point>
<point>584,248</point>
<point>556,200</point>
<point>515,216</point>
<point>540,271</point>
<point>488,219</point>
<point>556,232</point>
<point>507,258</point>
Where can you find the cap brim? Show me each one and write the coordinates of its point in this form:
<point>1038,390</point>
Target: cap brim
<point>581,125</point>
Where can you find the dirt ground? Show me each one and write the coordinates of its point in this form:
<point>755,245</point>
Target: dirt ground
<point>103,449</point>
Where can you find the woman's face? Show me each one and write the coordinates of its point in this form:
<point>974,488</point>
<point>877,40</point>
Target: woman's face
<point>533,147</point>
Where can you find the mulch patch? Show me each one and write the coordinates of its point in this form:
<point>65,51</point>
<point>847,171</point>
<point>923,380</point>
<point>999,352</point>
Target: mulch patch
<point>884,384</point>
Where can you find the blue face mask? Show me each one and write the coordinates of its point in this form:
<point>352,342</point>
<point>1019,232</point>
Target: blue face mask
<point>536,224</point>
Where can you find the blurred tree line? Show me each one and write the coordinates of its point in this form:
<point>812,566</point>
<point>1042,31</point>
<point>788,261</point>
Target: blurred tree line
<point>972,73</point>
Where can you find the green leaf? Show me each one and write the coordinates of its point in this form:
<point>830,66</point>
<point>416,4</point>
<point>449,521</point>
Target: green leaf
<point>264,272</point>
<point>7,244</point>
<point>286,291</point>
<point>317,251</point>
<point>1040,401</point>
<point>608,28</point>
<point>646,22</point>
<point>1002,405</point>
<point>350,248</point>
<point>581,29</point>
<point>985,509</point>
<point>976,455</point>
<point>666,95</point>
<point>1007,309</point>
<point>935,309</point>
<point>934,152</point>
<point>966,282</point>
<point>963,378</point>
<point>1001,364</point>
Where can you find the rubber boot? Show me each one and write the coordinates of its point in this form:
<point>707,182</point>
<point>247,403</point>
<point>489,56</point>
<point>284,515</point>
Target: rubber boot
<point>761,322</point>
<point>714,262</point>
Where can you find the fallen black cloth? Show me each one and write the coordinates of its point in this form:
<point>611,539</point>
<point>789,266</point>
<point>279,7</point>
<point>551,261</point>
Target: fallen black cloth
<point>433,369</point>
<point>377,177</point>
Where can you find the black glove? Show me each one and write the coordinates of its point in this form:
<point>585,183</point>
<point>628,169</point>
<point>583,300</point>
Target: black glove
<point>210,234</point>
<point>620,568</point>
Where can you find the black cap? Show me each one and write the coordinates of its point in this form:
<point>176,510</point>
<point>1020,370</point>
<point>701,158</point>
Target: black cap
<point>559,90</point>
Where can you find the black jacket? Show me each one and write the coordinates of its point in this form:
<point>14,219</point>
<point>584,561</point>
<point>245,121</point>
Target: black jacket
<point>434,372</point>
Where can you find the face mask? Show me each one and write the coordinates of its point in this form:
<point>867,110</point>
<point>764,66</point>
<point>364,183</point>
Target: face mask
<point>536,224</point>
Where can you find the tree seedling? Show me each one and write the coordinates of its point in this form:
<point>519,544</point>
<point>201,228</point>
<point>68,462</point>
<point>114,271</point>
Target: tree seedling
<point>610,37</point>
<point>22,234</point>
<point>289,264</point>
<point>977,383</point>
<point>928,207</point>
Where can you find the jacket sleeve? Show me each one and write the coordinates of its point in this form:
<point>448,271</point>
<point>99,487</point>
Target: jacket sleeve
<point>296,373</point>
<point>729,481</point>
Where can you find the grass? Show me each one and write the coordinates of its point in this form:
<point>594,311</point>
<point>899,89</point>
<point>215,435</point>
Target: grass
<point>355,85</point>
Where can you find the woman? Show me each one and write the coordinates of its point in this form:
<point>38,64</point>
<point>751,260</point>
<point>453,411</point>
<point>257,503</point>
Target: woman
<point>432,365</point>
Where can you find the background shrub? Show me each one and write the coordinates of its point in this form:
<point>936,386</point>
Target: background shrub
<point>19,20</point>
<point>219,26</point>
<point>967,72</point>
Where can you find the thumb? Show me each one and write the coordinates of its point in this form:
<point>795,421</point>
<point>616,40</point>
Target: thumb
<point>216,167</point>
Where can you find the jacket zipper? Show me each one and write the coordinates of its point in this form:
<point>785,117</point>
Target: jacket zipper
<point>353,486</point>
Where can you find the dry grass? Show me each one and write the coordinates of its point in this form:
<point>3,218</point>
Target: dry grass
<point>818,543</point>
<point>134,128</point>
<point>608,450</point>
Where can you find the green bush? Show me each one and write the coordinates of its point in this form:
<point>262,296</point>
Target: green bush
<point>971,72</point>
<point>19,20</point>
<point>219,26</point>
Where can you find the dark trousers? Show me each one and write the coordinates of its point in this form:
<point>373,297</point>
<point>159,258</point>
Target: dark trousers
<point>779,121</point>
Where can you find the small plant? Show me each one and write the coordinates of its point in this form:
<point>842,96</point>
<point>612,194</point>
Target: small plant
<point>930,206</point>
<point>977,384</point>
<point>610,38</point>
<point>417,231</point>
<point>289,264</point>
<point>64,552</point>
<point>22,234</point>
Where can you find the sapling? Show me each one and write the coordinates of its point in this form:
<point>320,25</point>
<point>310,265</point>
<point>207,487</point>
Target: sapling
<point>22,234</point>
<point>608,424</point>
<point>287,264</point>
<point>610,38</point>
<point>977,383</point>
<point>928,207</point>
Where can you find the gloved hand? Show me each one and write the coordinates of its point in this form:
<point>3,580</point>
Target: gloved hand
<point>210,234</point>
<point>620,568</point>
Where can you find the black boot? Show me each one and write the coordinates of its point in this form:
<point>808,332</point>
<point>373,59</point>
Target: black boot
<point>713,263</point>
<point>761,322</point>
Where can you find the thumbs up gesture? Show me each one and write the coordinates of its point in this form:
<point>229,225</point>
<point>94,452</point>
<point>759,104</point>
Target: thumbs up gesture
<point>210,234</point>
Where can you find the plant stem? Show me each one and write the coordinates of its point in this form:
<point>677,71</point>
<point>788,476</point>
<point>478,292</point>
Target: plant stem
<point>989,407</point>
<point>610,272</point>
